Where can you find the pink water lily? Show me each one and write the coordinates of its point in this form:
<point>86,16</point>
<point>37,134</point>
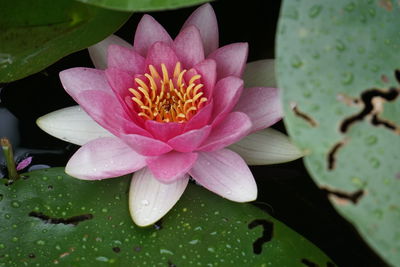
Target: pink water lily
<point>168,109</point>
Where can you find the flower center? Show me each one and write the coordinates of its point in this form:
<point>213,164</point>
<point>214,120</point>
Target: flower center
<point>168,99</point>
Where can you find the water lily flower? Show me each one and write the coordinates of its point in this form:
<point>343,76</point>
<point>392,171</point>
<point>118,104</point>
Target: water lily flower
<point>167,109</point>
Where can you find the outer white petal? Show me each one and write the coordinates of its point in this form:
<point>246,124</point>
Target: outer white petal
<point>149,199</point>
<point>98,52</point>
<point>265,147</point>
<point>260,73</point>
<point>73,125</point>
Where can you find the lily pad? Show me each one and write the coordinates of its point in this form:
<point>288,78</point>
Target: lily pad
<point>51,218</point>
<point>338,63</point>
<point>143,5</point>
<point>36,33</point>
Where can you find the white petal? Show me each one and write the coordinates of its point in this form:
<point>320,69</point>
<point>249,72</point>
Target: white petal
<point>260,73</point>
<point>149,199</point>
<point>225,173</point>
<point>104,158</point>
<point>71,124</point>
<point>265,147</point>
<point>98,52</point>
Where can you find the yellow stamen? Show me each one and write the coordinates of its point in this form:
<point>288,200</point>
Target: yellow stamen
<point>170,98</point>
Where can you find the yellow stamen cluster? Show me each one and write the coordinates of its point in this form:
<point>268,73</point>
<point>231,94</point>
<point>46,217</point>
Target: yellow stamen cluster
<point>168,99</point>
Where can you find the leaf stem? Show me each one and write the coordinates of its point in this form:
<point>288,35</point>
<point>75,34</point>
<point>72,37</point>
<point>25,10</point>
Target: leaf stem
<point>9,157</point>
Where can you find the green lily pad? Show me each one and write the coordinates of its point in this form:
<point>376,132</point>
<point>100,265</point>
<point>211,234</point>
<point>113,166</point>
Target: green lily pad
<point>143,5</point>
<point>37,33</point>
<point>51,218</point>
<point>339,62</point>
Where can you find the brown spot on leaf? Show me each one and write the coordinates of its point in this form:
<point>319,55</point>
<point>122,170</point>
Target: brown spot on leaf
<point>386,4</point>
<point>303,115</point>
<point>372,103</point>
<point>72,220</point>
<point>384,78</point>
<point>341,197</point>
<point>333,153</point>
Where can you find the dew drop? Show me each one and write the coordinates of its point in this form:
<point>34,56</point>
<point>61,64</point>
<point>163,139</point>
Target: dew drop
<point>102,259</point>
<point>378,213</point>
<point>371,140</point>
<point>145,202</point>
<point>292,14</point>
<point>2,246</point>
<point>375,163</point>
<point>340,46</point>
<point>40,242</point>
<point>347,78</point>
<point>166,251</point>
<point>315,55</point>
<point>194,242</point>
<point>314,11</point>
<point>7,216</point>
<point>104,210</point>
<point>15,204</point>
<point>296,62</point>
<point>350,7</point>
<point>357,181</point>
<point>211,249</point>
<point>14,239</point>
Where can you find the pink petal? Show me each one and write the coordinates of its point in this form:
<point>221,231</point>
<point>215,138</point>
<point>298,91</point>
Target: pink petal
<point>148,32</point>
<point>205,20</point>
<point>109,114</point>
<point>208,71</point>
<point>231,59</point>
<point>102,158</point>
<point>98,52</point>
<point>164,131</point>
<point>162,53</point>
<point>262,105</point>
<point>120,82</point>
<point>190,140</point>
<point>201,118</point>
<point>234,127</point>
<point>169,167</point>
<point>24,163</point>
<point>189,47</point>
<point>226,94</point>
<point>146,146</point>
<point>125,59</point>
<point>150,199</point>
<point>225,173</point>
<point>77,80</point>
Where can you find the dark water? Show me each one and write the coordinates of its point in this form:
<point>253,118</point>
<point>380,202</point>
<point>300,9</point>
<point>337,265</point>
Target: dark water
<point>285,190</point>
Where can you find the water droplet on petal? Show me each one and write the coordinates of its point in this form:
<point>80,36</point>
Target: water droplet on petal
<point>145,202</point>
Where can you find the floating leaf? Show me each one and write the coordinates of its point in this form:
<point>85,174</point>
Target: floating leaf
<point>339,65</point>
<point>143,5</point>
<point>51,218</point>
<point>36,33</point>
